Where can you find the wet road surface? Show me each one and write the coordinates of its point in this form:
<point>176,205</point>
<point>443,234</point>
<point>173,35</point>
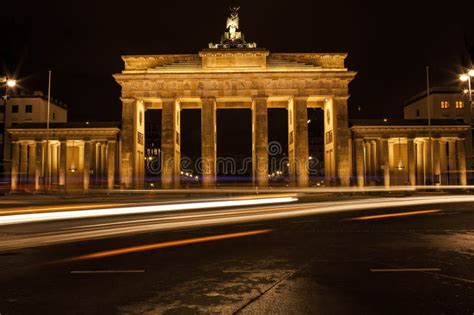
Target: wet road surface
<point>334,263</point>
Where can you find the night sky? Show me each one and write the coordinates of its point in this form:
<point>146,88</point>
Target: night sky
<point>389,43</point>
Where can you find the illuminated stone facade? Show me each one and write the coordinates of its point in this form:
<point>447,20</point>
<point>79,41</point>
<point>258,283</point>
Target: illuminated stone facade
<point>400,153</point>
<point>68,156</point>
<point>235,78</point>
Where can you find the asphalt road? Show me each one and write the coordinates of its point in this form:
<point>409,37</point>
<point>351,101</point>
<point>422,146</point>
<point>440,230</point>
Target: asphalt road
<point>320,263</point>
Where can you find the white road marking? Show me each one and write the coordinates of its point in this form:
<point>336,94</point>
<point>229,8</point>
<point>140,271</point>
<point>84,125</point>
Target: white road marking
<point>405,270</point>
<point>105,271</point>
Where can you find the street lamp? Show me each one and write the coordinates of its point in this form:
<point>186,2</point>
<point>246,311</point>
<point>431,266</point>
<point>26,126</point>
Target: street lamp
<point>9,84</point>
<point>466,77</point>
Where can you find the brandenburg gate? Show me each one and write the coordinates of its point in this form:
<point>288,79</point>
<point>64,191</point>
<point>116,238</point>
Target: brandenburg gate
<point>229,75</point>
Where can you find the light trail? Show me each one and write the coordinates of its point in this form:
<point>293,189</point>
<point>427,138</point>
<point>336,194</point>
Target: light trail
<point>141,248</point>
<point>213,217</point>
<point>64,215</point>
<point>405,270</point>
<point>9,211</point>
<point>314,189</point>
<point>86,206</point>
<point>394,215</point>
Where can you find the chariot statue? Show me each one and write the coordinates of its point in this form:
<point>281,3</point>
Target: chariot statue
<point>233,37</point>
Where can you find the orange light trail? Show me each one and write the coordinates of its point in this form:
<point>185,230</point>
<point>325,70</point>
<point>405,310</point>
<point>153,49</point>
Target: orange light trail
<point>394,215</point>
<point>142,248</point>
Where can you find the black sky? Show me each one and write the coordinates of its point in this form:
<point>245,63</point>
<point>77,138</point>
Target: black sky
<point>389,43</point>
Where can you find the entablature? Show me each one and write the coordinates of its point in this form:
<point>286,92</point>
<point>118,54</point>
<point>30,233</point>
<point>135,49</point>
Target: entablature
<point>99,134</point>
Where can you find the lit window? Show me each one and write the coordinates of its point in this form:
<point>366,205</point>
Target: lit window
<point>459,104</point>
<point>28,108</point>
<point>444,104</point>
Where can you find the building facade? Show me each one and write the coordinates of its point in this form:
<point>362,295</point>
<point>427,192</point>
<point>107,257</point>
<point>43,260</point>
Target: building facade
<point>409,152</point>
<point>26,108</point>
<point>68,156</point>
<point>234,74</point>
<point>445,104</point>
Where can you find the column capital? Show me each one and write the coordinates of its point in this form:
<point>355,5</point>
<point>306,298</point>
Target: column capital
<point>300,98</point>
<point>208,99</point>
<point>341,98</point>
<point>260,98</point>
<point>127,99</point>
<point>169,100</point>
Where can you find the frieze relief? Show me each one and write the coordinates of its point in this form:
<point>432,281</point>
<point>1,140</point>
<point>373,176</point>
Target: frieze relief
<point>162,88</point>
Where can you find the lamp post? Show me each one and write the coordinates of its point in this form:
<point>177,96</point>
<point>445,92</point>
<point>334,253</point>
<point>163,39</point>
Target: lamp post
<point>9,84</point>
<point>466,77</point>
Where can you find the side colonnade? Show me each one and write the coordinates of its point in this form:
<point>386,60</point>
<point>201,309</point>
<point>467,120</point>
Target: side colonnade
<point>71,159</point>
<point>392,156</point>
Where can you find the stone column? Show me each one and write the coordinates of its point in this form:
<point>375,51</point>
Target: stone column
<point>128,139</point>
<point>411,163</point>
<point>341,140</point>
<point>47,163</point>
<point>420,163</point>
<point>291,145</point>
<point>31,163</point>
<point>436,160</point>
<point>300,158</point>
<point>15,165</point>
<point>462,162</point>
<point>170,144</point>
<point>373,147</point>
<point>87,164</point>
<point>367,168</point>
<point>103,158</point>
<point>260,141</point>
<point>93,163</point>
<point>373,161</point>
<point>54,163</point>
<point>98,163</point>
<point>359,156</point>
<point>378,158</point>
<point>385,162</point>
<point>111,164</point>
<point>38,164</point>
<point>23,163</point>
<point>444,163</point>
<point>452,163</point>
<point>208,141</point>
<point>428,166</point>
<point>62,163</point>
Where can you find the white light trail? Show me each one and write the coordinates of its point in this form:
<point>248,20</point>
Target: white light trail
<point>65,215</point>
<point>219,217</point>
